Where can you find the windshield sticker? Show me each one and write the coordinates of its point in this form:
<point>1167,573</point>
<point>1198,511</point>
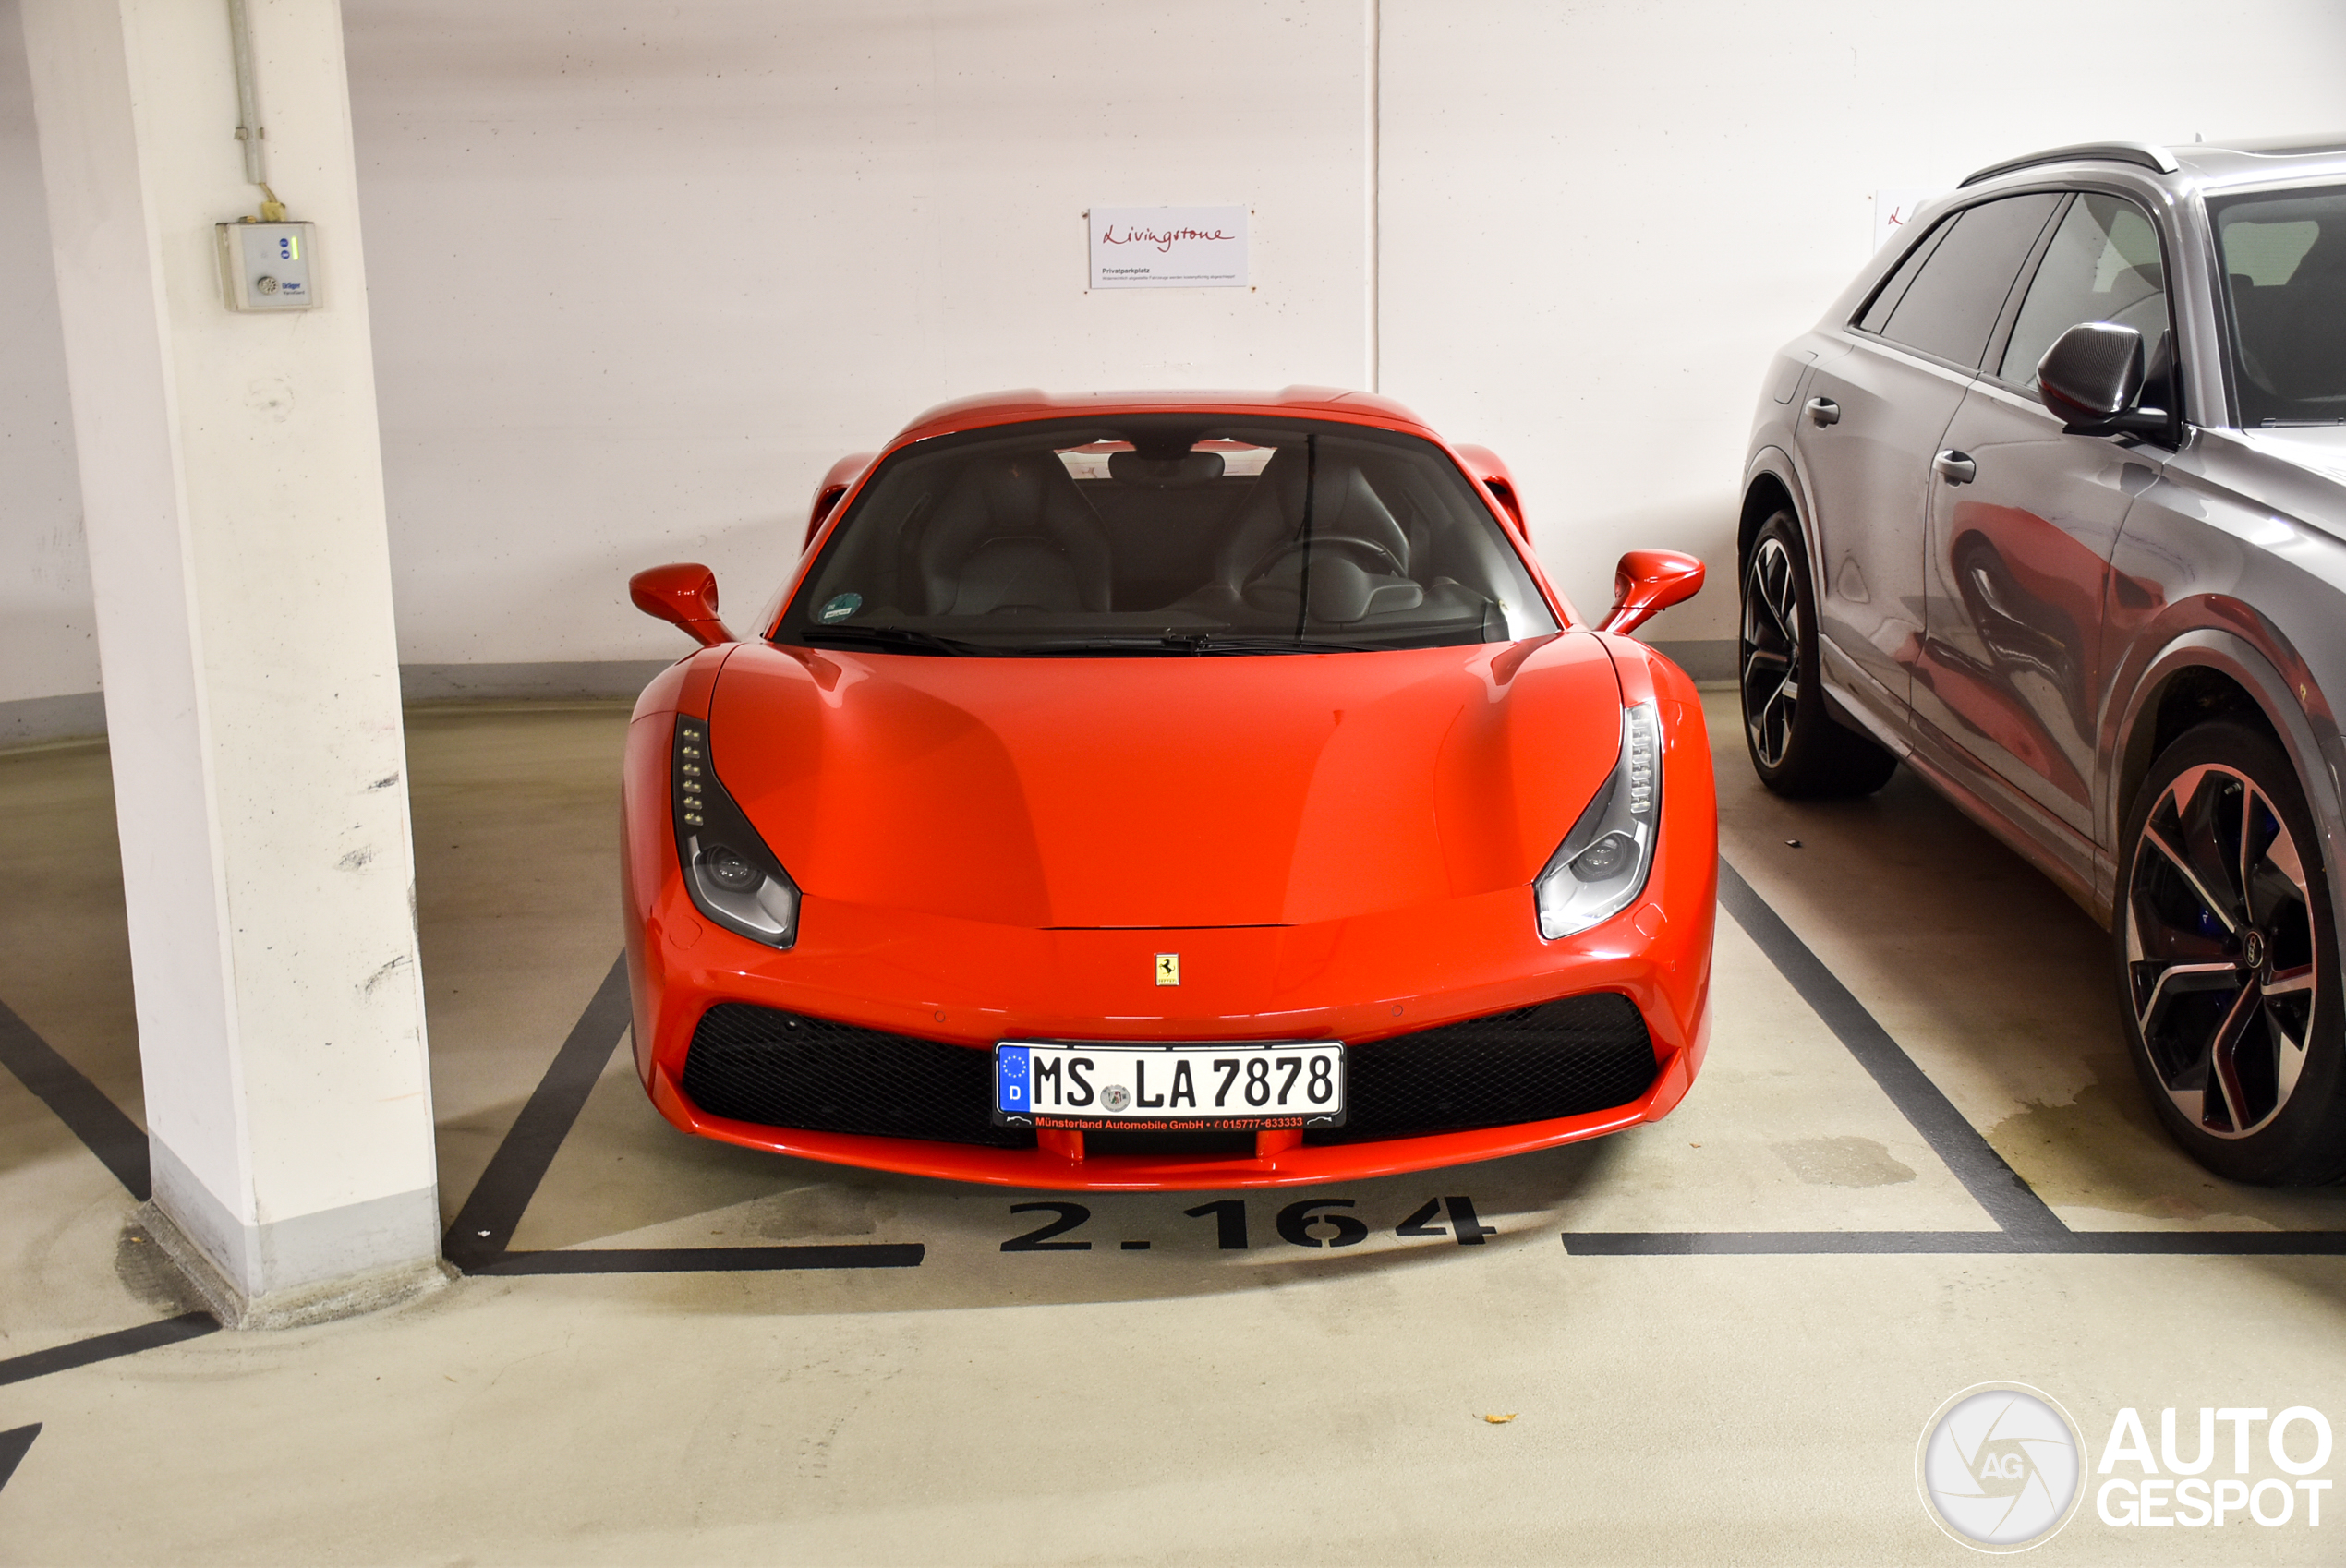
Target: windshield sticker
<point>840,607</point>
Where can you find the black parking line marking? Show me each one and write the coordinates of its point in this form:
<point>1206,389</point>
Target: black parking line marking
<point>494,1208</point>
<point>2205,1243</point>
<point>14,1446</point>
<point>708,1260</point>
<point>108,1347</point>
<point>1763,1243</point>
<point>475,1241</point>
<point>93,1118</point>
<point>1997,1187</point>
<point>2027,1227</point>
<point>1967,1242</point>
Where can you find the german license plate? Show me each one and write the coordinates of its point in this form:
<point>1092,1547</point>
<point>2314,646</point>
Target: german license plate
<point>1238,1088</point>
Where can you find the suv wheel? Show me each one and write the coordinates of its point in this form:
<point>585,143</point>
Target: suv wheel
<point>1797,748</point>
<point>2225,945</point>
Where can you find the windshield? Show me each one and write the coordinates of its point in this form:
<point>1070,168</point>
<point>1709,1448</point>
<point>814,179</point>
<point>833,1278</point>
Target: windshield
<point>2285,263</point>
<point>1149,534</point>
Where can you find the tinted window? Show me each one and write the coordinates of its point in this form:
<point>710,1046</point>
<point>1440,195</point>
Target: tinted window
<point>2285,263</point>
<point>1886,298</point>
<point>1952,303</point>
<point>1155,534</point>
<point>2103,265</point>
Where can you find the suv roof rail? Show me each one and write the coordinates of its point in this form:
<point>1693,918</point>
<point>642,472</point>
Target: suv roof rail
<point>2139,153</point>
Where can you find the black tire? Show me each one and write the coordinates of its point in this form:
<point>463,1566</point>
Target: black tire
<point>2226,951</point>
<point>1798,749</point>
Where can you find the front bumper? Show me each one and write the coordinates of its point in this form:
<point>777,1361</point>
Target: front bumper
<point>1060,1167</point>
<point>956,984</point>
<point>1568,1066</point>
<point>949,982</point>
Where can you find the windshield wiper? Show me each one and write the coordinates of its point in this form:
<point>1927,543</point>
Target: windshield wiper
<point>894,639</point>
<point>1276,644</point>
<point>1177,644</point>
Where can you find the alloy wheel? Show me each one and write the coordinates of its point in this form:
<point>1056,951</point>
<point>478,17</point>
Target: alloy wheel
<point>2221,963</point>
<point>1770,650</point>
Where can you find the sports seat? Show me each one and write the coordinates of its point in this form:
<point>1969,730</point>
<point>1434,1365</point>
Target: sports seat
<point>1013,535</point>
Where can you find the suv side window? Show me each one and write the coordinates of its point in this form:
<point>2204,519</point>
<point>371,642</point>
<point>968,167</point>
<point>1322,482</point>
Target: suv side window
<point>1886,297</point>
<point>1953,303</point>
<point>2104,265</point>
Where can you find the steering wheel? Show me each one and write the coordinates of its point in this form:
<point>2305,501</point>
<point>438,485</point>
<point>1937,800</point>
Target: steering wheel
<point>1372,556</point>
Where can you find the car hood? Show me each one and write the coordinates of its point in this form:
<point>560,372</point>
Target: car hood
<point>1165,791</point>
<point>2299,472</point>
<point>2321,448</point>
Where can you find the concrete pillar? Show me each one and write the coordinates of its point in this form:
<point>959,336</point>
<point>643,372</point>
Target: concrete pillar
<point>231,475</point>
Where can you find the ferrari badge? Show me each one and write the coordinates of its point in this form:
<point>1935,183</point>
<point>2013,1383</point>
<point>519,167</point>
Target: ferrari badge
<point>1168,969</point>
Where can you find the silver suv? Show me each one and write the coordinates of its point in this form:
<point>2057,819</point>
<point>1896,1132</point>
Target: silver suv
<point>2050,506</point>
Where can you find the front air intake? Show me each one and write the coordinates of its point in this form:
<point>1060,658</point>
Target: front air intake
<point>1563,1058</point>
<point>779,1070</point>
<point>787,1070</point>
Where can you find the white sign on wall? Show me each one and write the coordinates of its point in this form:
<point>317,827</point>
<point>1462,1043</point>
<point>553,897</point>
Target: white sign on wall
<point>1894,210</point>
<point>1168,247</point>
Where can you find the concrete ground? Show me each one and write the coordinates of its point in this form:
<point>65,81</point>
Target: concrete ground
<point>1713,1340</point>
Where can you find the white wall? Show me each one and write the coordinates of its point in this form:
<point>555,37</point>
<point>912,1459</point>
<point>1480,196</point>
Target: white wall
<point>640,273</point>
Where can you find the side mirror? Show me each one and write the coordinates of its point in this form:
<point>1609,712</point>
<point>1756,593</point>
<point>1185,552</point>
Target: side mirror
<point>683,594</point>
<point>837,483</point>
<point>1485,465</point>
<point>1646,582</point>
<point>2090,377</point>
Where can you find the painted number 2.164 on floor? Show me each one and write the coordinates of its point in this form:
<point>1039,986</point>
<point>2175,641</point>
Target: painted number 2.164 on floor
<point>1314,1222</point>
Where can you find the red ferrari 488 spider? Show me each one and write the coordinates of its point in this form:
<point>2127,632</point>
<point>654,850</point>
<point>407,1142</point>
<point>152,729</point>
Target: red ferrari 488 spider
<point>1163,792</point>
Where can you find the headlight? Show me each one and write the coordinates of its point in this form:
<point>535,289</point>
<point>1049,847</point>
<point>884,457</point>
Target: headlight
<point>1602,864</point>
<point>732,877</point>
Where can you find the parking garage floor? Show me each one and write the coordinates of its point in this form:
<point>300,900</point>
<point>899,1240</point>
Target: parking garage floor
<point>1713,1340</point>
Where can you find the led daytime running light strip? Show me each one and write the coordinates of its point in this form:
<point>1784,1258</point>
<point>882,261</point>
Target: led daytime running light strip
<point>730,873</point>
<point>692,768</point>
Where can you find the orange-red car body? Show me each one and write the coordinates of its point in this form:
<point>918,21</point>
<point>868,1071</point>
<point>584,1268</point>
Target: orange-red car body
<point>1340,846</point>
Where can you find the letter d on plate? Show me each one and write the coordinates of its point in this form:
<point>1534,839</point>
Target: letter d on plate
<point>1012,1094</point>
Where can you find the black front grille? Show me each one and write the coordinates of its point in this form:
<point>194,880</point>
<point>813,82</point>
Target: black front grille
<point>1558,1059</point>
<point>787,1070</point>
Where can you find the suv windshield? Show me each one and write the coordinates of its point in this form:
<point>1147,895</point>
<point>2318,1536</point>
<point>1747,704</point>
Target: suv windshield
<point>2285,263</point>
<point>1147,533</point>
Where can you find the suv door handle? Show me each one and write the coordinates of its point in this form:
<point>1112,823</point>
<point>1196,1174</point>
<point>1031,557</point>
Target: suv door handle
<point>1823,411</point>
<point>1955,467</point>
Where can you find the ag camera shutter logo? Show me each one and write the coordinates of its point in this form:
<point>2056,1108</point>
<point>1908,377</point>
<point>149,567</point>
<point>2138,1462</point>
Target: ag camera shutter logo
<point>1998,1467</point>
